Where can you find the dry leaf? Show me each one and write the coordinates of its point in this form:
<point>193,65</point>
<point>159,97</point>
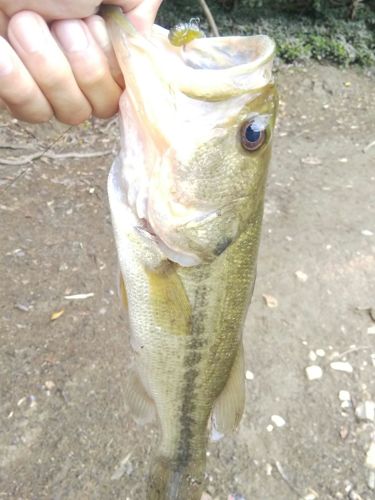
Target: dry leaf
<point>57,314</point>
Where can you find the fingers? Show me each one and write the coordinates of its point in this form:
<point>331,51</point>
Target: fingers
<point>18,90</point>
<point>47,65</point>
<point>51,9</point>
<point>89,65</point>
<point>97,27</point>
<point>64,72</point>
<point>3,24</point>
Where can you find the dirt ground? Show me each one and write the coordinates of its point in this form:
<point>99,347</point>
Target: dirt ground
<point>64,430</point>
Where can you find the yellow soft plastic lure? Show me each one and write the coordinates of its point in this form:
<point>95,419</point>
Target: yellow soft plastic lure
<point>183,33</point>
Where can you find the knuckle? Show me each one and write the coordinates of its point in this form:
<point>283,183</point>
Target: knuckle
<point>74,118</point>
<point>57,78</point>
<point>93,74</point>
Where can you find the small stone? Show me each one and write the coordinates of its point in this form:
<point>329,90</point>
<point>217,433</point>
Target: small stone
<point>370,457</point>
<point>371,330</point>
<point>346,404</point>
<point>344,432</point>
<point>312,356</point>
<point>24,307</point>
<point>342,366</point>
<point>344,396</point>
<point>49,384</point>
<point>269,469</point>
<point>301,276</point>
<point>278,421</point>
<point>270,301</point>
<point>310,496</point>
<point>353,495</point>
<point>367,232</point>
<point>371,480</point>
<point>311,160</point>
<point>366,411</point>
<point>320,352</point>
<point>249,375</point>
<point>269,428</point>
<point>206,496</point>
<point>313,372</point>
<point>343,160</point>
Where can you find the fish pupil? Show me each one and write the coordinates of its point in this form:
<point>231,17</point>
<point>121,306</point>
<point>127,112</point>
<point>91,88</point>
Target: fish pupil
<point>252,134</point>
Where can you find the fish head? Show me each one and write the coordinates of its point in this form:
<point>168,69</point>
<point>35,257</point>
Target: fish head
<point>197,126</point>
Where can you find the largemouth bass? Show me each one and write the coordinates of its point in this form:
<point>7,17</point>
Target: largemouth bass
<point>186,197</point>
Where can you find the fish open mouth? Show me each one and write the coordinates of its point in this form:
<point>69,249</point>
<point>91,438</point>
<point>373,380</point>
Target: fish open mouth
<point>170,92</point>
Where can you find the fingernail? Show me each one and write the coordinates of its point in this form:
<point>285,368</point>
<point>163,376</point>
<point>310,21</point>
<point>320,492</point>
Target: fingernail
<point>29,32</point>
<point>6,63</point>
<point>71,35</point>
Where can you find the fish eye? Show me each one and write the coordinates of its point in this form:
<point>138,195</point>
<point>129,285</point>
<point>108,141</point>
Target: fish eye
<point>253,135</point>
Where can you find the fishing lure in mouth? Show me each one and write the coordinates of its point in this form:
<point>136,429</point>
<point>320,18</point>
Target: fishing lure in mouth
<point>183,33</point>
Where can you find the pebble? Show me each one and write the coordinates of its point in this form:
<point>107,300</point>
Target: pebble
<point>371,480</point>
<point>366,411</point>
<point>24,307</point>
<point>49,384</point>
<point>312,356</point>
<point>371,330</point>
<point>344,432</point>
<point>206,496</point>
<point>344,396</point>
<point>301,276</point>
<point>366,232</point>
<point>353,495</point>
<point>278,421</point>
<point>342,366</point>
<point>249,375</point>
<point>320,352</point>
<point>370,457</point>
<point>270,301</point>
<point>313,372</point>
<point>269,428</point>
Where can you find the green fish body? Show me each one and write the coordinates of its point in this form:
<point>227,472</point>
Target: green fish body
<point>186,197</point>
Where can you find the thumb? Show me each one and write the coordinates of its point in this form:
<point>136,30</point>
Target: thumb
<point>141,13</point>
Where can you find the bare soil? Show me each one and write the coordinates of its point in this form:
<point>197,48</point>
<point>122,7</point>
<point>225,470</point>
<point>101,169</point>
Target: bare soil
<point>64,430</point>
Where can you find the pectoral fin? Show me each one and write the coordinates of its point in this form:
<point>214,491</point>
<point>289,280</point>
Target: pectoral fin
<point>140,404</point>
<point>171,306</point>
<point>230,404</point>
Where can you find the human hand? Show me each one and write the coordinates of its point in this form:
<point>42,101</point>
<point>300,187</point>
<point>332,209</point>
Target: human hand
<point>66,68</point>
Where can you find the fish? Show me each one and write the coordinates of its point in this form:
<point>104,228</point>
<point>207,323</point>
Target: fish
<point>186,196</point>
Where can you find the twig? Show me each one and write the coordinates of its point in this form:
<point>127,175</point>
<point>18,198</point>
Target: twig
<point>286,479</point>
<point>210,17</point>
<point>17,147</point>
<point>23,172</point>
<point>54,156</point>
<point>349,351</point>
<point>369,146</point>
